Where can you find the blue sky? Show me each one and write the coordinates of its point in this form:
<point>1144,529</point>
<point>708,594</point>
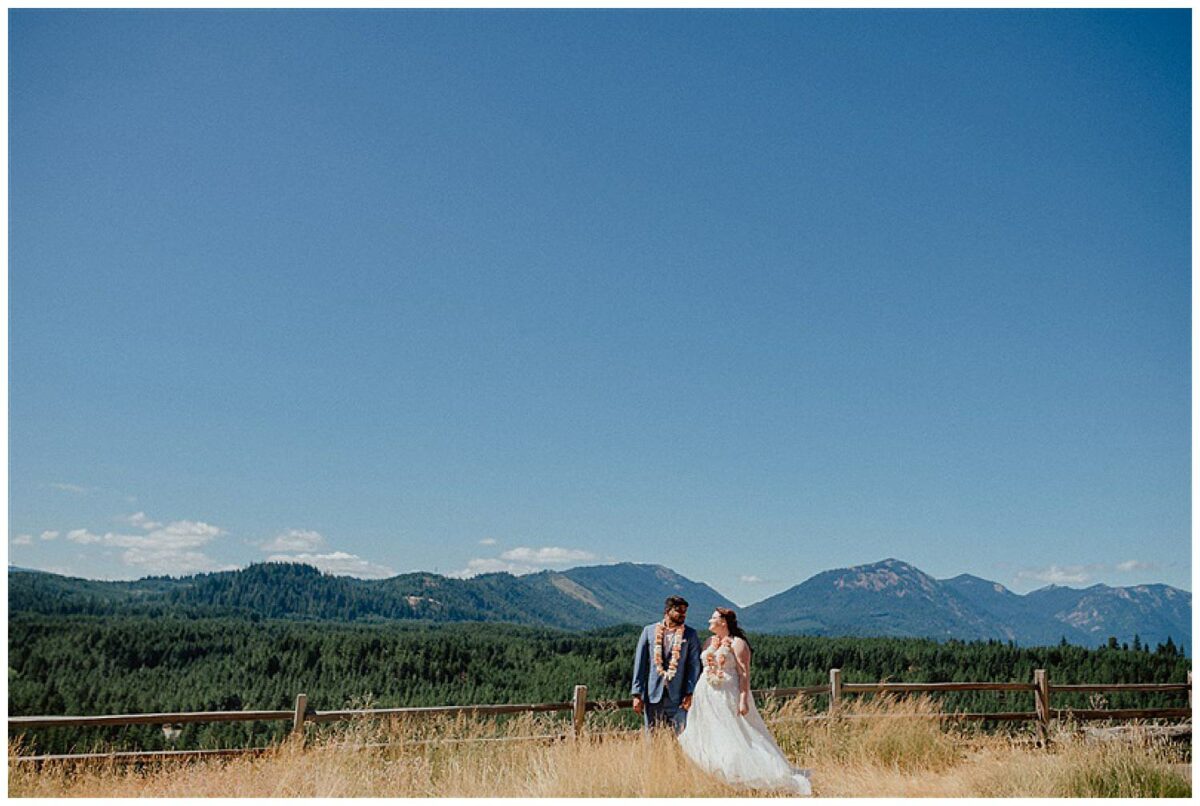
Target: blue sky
<point>748,294</point>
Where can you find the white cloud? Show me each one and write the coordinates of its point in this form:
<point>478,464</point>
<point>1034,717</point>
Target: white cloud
<point>83,537</point>
<point>165,549</point>
<point>48,535</point>
<point>300,545</point>
<point>174,536</point>
<point>1080,574</point>
<point>294,540</point>
<point>750,579</point>
<point>488,541</point>
<point>339,563</point>
<point>1056,575</point>
<point>525,560</point>
<point>72,488</point>
<point>491,565</point>
<point>22,540</point>
<point>548,555</point>
<point>139,519</point>
<point>175,562</point>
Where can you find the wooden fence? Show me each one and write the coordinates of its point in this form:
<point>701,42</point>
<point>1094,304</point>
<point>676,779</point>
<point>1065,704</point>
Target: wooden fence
<point>1041,689</point>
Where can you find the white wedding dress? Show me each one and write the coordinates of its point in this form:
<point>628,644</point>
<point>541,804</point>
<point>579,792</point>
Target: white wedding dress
<point>737,749</point>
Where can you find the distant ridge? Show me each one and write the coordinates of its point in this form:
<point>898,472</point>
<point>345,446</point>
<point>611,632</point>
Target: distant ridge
<point>892,597</point>
<point>578,599</point>
<point>887,598</point>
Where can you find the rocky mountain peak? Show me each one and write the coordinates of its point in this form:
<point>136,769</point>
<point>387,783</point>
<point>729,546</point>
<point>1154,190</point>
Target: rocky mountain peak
<point>884,575</point>
<point>972,582</point>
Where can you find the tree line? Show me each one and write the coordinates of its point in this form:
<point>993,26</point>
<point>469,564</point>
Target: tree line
<point>135,664</point>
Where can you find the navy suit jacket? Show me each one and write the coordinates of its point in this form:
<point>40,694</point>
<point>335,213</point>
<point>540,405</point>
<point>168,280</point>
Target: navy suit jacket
<point>649,684</point>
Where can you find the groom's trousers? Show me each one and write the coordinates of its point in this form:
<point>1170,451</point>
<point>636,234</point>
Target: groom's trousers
<point>665,714</point>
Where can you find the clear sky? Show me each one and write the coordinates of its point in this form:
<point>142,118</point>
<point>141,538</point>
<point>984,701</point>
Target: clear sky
<point>749,294</point>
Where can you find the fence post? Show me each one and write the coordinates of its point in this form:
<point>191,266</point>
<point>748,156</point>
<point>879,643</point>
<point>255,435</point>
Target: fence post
<point>835,689</point>
<point>579,710</point>
<point>298,719</point>
<point>1041,701</point>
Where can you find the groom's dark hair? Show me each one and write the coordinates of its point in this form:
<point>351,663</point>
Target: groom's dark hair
<point>674,601</point>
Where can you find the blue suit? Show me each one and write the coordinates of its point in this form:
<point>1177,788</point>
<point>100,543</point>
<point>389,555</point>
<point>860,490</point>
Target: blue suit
<point>663,699</point>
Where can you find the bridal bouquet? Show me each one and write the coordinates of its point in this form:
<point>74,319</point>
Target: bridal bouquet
<point>714,661</point>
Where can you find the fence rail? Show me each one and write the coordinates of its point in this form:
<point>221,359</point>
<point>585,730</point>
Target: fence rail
<point>1041,688</point>
<point>879,688</point>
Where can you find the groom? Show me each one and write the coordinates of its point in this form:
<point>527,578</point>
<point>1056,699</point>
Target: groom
<point>666,667</point>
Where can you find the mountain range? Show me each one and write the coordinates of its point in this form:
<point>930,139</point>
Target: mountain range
<point>887,598</point>
<point>893,598</point>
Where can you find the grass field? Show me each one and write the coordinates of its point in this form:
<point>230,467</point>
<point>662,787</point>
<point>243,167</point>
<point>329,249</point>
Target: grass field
<point>883,748</point>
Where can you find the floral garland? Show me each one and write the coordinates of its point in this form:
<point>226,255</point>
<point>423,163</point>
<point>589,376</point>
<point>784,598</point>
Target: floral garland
<point>714,660</point>
<point>676,648</point>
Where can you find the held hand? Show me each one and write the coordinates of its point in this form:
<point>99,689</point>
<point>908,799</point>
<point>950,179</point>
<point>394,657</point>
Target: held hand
<point>637,705</point>
<point>744,704</point>
<point>687,703</point>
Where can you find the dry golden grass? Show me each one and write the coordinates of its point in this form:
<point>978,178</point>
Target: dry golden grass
<point>882,748</point>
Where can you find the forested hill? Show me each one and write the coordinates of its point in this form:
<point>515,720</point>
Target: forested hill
<point>576,599</point>
<point>887,598</point>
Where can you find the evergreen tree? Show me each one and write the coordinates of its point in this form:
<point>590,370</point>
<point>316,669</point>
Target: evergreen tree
<point>125,664</point>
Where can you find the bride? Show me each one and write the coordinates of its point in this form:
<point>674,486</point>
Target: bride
<point>725,735</point>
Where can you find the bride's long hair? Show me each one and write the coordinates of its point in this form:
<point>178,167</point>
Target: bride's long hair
<point>731,622</point>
